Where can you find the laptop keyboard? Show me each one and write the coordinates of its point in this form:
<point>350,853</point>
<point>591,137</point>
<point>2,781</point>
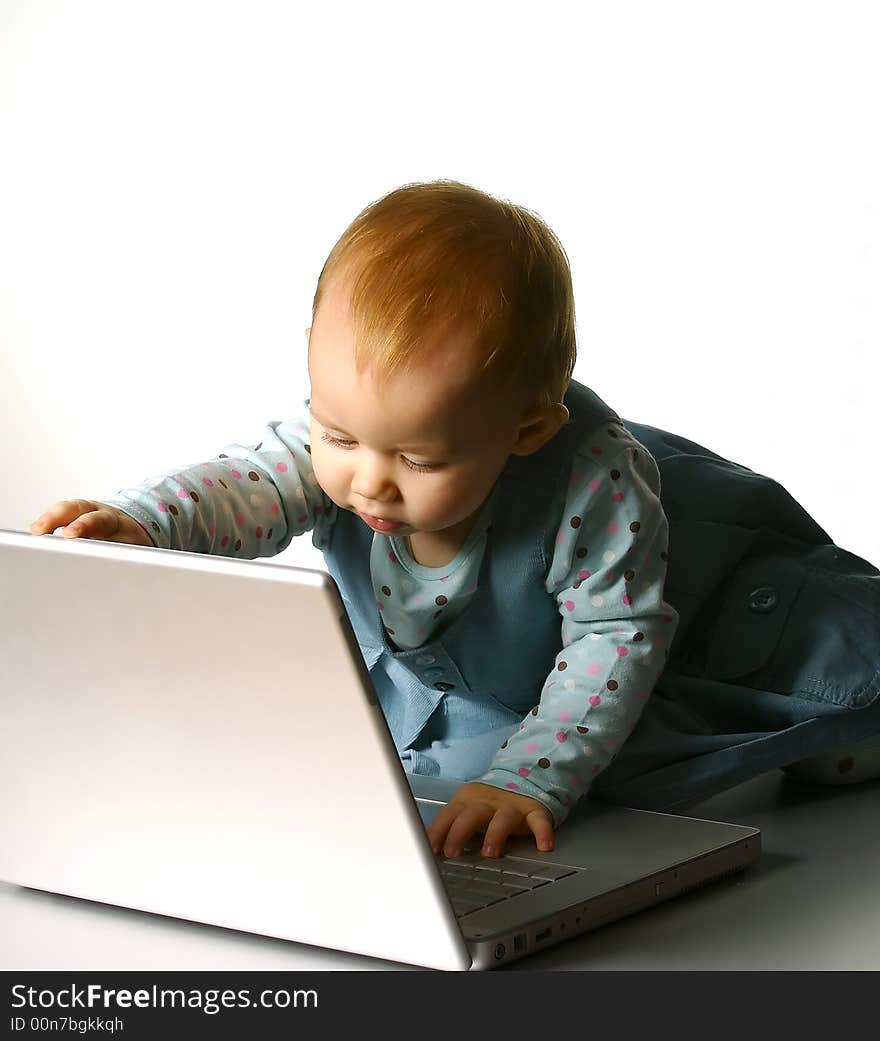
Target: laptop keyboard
<point>474,881</point>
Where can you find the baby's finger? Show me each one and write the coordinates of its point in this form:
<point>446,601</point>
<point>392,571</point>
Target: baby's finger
<point>542,828</point>
<point>505,823</point>
<point>59,514</point>
<point>95,524</point>
<point>472,818</point>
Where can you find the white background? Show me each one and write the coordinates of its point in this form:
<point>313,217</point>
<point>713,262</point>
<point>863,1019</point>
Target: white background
<point>173,175</point>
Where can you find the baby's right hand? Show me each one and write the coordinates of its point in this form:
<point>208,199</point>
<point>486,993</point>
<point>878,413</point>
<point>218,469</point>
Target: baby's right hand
<point>84,519</point>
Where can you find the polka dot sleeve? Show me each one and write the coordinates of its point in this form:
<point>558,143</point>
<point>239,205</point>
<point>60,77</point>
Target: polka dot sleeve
<point>247,502</point>
<point>607,575</point>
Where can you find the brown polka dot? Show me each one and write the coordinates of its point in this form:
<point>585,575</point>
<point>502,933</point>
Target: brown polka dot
<point>583,730</point>
<point>543,762</point>
<point>575,522</point>
<point>194,496</point>
<point>634,526</point>
<point>504,744</point>
<point>391,631</point>
<point>629,575</point>
<point>386,590</point>
<point>225,485</point>
<point>237,544</point>
<point>562,666</point>
<point>577,584</point>
<point>254,476</point>
<point>155,526</point>
<point>437,614</point>
<point>308,448</point>
<point>269,534</point>
<point>635,454</point>
<point>663,556</point>
<point>612,433</point>
<point>173,509</point>
<point>612,684</point>
<point>441,600</point>
<point>582,552</point>
<point>845,765</point>
<point>615,474</point>
<point>258,447</point>
<point>639,637</point>
<point>535,710</point>
<point>223,456</point>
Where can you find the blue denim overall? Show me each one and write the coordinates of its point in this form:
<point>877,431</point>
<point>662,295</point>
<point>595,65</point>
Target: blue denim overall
<point>776,656</point>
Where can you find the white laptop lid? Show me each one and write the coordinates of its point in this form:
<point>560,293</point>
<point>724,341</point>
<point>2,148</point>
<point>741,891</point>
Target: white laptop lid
<point>210,756</point>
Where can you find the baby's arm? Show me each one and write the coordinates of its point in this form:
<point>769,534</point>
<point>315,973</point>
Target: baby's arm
<point>248,502</point>
<point>607,576</point>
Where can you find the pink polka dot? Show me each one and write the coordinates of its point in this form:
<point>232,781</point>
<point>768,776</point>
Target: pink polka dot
<point>319,510</point>
<point>642,695</point>
<point>574,780</point>
<point>531,747</point>
<point>595,700</point>
<point>622,652</point>
<point>596,450</point>
<point>524,771</point>
<point>575,477</point>
<point>569,605</point>
<point>561,737</point>
<point>593,670</point>
<point>613,528</point>
<point>617,496</point>
<point>565,717</point>
<point>302,518</point>
<point>594,485</point>
<point>236,474</point>
<point>224,541</point>
<point>182,493</point>
<point>392,557</point>
<point>559,536</point>
<point>512,786</point>
<point>212,530</point>
<point>380,606</point>
<point>584,574</point>
<point>259,532</point>
<point>610,745</point>
<point>595,770</point>
<point>155,493</point>
<point>162,507</point>
<point>207,482</point>
<point>281,468</point>
<point>239,518</point>
<point>274,509</point>
<point>522,726</point>
<point>445,578</point>
<point>627,599</point>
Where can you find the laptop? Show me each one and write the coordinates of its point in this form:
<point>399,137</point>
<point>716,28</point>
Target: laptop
<point>198,737</point>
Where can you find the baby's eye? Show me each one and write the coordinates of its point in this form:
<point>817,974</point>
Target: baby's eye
<point>331,440</point>
<point>341,443</point>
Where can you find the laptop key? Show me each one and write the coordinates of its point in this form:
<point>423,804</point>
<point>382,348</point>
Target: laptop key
<point>521,881</point>
<point>551,872</point>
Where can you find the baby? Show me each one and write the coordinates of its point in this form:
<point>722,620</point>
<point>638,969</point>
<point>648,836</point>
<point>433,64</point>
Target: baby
<point>494,528</point>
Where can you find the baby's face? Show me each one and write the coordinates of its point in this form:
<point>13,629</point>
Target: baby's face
<point>426,455</point>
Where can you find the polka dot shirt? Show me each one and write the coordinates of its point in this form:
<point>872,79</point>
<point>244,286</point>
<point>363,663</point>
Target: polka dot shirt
<point>606,573</point>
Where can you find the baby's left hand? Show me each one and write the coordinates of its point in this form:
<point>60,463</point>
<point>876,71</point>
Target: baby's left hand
<point>481,807</point>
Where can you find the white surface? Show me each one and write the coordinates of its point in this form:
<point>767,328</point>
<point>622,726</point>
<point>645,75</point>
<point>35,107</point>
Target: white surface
<point>812,902</point>
<point>174,175</point>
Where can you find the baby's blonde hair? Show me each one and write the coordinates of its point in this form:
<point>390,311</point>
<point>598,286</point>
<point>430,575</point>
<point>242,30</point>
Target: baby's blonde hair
<point>441,255</point>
